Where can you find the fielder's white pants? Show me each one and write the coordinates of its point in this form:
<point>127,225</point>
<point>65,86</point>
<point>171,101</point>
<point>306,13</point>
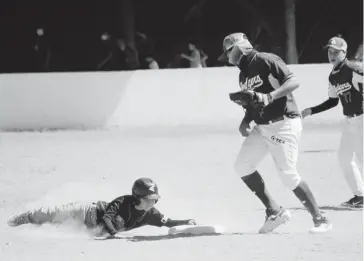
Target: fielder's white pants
<point>282,140</point>
<point>351,154</point>
<point>81,213</point>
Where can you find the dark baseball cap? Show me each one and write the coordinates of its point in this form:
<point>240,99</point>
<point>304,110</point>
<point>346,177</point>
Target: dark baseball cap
<point>337,43</point>
<point>230,41</point>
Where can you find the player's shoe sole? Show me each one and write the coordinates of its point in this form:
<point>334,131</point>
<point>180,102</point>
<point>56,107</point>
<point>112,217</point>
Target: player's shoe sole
<point>322,225</point>
<point>355,207</point>
<point>274,221</point>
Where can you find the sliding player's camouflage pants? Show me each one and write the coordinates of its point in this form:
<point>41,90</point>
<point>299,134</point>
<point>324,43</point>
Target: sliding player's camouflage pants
<point>81,213</point>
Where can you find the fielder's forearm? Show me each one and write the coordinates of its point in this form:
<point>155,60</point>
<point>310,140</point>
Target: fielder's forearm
<point>287,87</point>
<point>326,105</point>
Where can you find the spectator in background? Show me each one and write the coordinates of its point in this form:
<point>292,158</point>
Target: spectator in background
<point>359,53</point>
<point>151,62</point>
<point>43,52</point>
<point>176,61</point>
<point>116,59</point>
<point>194,57</point>
<point>204,57</point>
<point>145,47</point>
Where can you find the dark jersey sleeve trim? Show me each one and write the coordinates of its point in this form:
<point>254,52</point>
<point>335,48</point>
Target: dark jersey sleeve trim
<point>171,223</point>
<point>326,105</point>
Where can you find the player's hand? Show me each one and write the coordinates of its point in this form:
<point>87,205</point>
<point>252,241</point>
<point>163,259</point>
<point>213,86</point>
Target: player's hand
<point>306,112</point>
<point>107,237</point>
<point>245,129</point>
<point>262,98</point>
<point>100,238</point>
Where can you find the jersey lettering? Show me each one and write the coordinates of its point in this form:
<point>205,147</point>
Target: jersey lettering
<point>252,83</point>
<point>341,88</point>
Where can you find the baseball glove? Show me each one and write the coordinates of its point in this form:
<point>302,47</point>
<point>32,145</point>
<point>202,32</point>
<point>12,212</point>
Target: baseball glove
<point>251,99</point>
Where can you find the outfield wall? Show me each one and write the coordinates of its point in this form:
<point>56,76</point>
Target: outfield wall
<point>59,100</point>
<point>160,98</point>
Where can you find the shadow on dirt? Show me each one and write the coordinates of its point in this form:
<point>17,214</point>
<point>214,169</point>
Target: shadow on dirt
<point>169,237</point>
<point>166,237</point>
<point>330,208</point>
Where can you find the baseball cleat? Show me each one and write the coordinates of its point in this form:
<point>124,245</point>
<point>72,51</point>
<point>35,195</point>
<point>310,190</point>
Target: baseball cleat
<point>18,220</point>
<point>274,219</point>
<point>322,225</point>
<point>355,202</point>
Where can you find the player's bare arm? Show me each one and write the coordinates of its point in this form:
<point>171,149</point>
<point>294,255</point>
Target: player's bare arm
<point>283,80</point>
<point>288,86</point>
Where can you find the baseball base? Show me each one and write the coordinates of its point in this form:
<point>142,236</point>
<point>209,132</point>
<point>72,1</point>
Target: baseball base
<point>196,230</point>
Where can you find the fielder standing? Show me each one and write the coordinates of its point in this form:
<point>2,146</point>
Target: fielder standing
<point>346,85</point>
<point>268,83</point>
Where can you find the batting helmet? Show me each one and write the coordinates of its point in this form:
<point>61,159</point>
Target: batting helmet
<point>145,188</point>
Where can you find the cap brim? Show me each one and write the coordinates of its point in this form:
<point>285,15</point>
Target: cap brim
<point>333,46</point>
<point>152,196</point>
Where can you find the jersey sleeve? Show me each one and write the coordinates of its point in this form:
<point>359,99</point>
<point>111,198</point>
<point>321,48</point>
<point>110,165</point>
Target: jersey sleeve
<point>155,218</point>
<point>242,81</point>
<point>279,72</point>
<point>332,92</point>
<point>113,221</point>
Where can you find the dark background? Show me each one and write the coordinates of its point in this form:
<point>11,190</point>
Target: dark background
<point>73,29</point>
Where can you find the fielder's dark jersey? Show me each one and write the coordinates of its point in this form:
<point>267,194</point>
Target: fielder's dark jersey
<point>346,83</point>
<point>265,72</point>
<point>121,215</point>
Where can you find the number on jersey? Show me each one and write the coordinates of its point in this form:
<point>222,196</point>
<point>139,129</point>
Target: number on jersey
<point>346,97</point>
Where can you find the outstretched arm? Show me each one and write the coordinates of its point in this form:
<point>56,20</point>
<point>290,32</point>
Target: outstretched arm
<point>326,105</point>
<point>172,223</point>
<point>155,218</point>
<point>286,88</point>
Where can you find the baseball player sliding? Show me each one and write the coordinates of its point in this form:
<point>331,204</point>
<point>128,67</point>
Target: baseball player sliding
<point>122,214</point>
<point>266,95</point>
<point>346,85</point>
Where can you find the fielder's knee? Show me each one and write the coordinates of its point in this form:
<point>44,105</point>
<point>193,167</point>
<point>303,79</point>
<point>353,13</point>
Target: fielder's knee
<point>244,168</point>
<point>290,178</point>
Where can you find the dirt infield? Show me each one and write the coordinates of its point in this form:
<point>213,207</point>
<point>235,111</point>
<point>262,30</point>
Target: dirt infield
<point>194,171</point>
